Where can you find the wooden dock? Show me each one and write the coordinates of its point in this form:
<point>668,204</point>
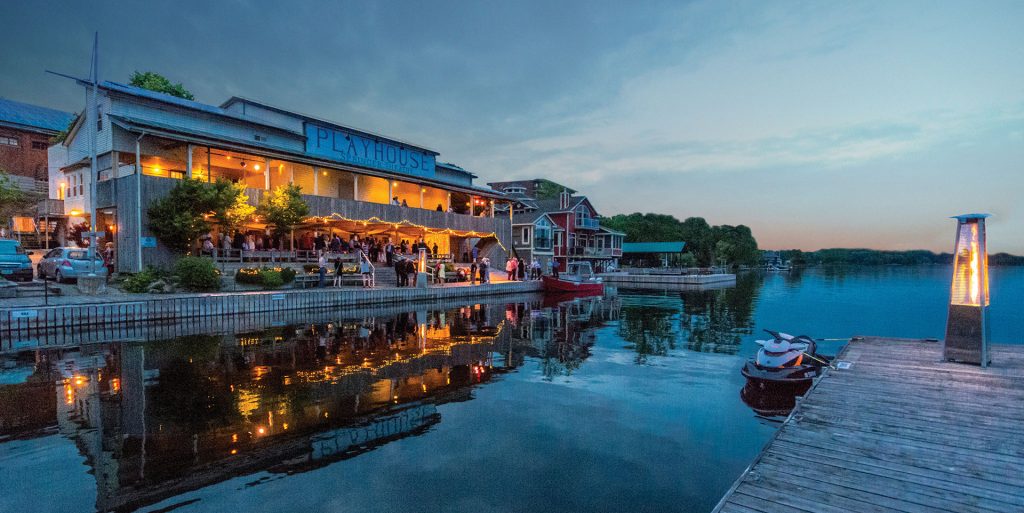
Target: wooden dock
<point>900,430</point>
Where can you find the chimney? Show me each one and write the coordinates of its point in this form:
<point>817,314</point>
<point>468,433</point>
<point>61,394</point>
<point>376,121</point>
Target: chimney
<point>563,199</point>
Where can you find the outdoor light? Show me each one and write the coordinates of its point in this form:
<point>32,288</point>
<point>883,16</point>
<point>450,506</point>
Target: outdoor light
<point>967,324</point>
<point>75,212</point>
<point>256,167</point>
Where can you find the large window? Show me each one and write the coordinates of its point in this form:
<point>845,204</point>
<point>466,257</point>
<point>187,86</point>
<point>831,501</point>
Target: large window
<point>303,177</point>
<point>164,158</point>
<point>238,167</point>
<point>373,189</point>
<point>327,182</point>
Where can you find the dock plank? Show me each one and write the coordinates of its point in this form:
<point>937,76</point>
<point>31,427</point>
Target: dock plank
<point>900,430</point>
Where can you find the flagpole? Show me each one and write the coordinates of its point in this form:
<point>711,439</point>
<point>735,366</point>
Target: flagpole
<point>93,121</point>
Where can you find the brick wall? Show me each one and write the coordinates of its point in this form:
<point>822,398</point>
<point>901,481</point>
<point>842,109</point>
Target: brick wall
<point>23,159</point>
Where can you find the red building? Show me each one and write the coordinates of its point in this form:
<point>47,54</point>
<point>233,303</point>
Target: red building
<point>565,227</point>
<point>25,132</point>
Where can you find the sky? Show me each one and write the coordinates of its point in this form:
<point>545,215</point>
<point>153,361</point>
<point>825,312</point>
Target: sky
<point>818,124</point>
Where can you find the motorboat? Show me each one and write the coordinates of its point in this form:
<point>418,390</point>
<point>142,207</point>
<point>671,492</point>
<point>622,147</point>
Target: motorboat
<point>578,278</point>
<point>785,361</point>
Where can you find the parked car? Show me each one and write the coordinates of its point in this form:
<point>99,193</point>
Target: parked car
<point>14,262</point>
<point>63,264</point>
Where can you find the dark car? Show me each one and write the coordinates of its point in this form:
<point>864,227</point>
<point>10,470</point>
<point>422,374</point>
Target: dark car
<point>14,262</point>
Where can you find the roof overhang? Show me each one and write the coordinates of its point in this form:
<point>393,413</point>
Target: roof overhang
<point>277,152</point>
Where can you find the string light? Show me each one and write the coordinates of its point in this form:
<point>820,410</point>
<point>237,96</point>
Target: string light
<point>406,222</point>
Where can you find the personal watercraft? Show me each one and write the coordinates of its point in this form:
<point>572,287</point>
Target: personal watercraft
<point>786,361</point>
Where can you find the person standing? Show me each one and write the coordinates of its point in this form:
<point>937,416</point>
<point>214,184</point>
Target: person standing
<point>510,269</point>
<point>412,268</point>
<point>472,273</point>
<point>440,273</point>
<point>535,269</point>
<point>484,276</point>
<point>322,262</point>
<point>554,267</point>
<point>366,271</point>
<point>337,272</point>
<point>521,269</point>
<point>476,253</point>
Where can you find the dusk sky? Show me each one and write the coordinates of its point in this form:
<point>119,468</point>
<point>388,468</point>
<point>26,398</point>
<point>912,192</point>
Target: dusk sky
<point>823,124</point>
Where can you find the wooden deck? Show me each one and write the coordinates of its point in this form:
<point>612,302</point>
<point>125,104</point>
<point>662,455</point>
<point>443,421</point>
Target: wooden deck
<point>899,430</point>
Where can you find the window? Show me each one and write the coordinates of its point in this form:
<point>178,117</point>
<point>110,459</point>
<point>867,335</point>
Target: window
<point>8,141</point>
<point>39,145</point>
<point>526,235</point>
<point>558,240</point>
<point>514,190</point>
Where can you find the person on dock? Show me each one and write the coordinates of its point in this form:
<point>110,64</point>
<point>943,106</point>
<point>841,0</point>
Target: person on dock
<point>440,273</point>
<point>520,269</point>
<point>535,269</point>
<point>554,268</point>
<point>485,265</point>
<point>510,269</point>
<point>473,268</point>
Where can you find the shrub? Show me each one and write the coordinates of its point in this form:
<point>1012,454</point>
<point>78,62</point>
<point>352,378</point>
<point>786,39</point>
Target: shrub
<point>197,274</point>
<point>139,282</point>
<point>271,279</point>
<point>248,276</point>
<point>268,277</point>
<point>288,274</point>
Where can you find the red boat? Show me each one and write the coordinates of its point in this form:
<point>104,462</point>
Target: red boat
<point>579,279</point>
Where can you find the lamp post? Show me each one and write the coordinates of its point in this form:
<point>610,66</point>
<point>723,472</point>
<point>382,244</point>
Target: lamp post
<point>967,324</point>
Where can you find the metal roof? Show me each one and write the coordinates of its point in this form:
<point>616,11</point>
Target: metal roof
<point>653,247</point>
<point>33,117</point>
<point>274,151</point>
<point>315,119</point>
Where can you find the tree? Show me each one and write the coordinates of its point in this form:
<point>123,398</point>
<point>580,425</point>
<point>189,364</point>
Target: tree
<point>159,83</point>
<point>182,216</point>
<point>13,200</point>
<point>231,206</point>
<point>283,208</point>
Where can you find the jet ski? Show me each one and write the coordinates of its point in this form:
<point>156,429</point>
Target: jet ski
<point>785,361</point>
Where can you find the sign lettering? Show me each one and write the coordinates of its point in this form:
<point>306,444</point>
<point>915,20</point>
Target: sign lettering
<point>351,148</point>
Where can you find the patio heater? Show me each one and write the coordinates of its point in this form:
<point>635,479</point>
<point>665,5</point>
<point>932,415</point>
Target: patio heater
<point>421,269</point>
<point>967,324</point>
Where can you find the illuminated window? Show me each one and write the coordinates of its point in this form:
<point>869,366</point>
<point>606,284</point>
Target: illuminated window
<point>9,141</point>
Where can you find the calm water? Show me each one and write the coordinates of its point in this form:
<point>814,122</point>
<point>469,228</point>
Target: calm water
<point>630,402</point>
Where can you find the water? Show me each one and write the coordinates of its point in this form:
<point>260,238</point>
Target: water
<point>629,402</point>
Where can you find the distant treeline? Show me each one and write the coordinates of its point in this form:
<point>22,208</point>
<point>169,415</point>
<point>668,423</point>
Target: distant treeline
<point>879,257</point>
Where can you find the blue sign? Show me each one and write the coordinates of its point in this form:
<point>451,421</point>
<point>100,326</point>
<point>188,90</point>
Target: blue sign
<point>148,242</point>
<point>351,148</point>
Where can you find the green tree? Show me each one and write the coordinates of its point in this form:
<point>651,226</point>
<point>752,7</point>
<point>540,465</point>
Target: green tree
<point>159,83</point>
<point>283,208</point>
<point>700,240</point>
<point>735,245</point>
<point>231,207</point>
<point>14,200</point>
<point>182,216</point>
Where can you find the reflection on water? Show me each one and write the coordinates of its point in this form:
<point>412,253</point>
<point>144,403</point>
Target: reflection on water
<point>769,401</point>
<point>705,320</point>
<point>484,406</point>
<point>158,419</point>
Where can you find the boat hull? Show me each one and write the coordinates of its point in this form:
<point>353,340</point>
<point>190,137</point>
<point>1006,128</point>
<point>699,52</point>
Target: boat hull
<point>552,284</point>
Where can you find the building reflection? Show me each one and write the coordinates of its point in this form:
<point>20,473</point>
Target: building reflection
<point>157,419</point>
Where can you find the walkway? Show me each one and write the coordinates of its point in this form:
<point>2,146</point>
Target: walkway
<point>899,430</point>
